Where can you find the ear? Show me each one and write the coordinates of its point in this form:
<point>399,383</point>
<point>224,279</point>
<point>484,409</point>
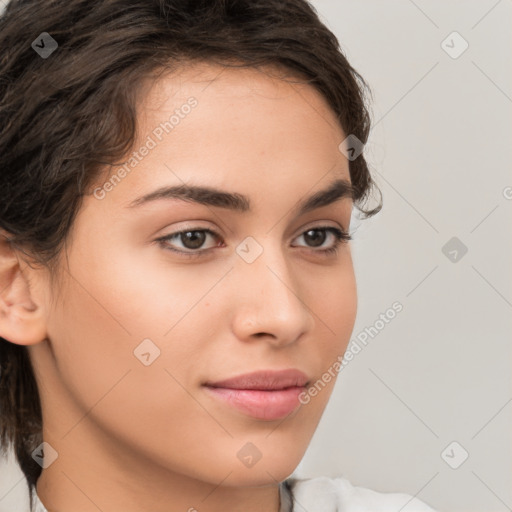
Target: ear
<point>22,310</point>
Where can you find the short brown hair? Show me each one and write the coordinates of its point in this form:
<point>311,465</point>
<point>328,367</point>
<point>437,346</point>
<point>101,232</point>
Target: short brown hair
<point>65,116</point>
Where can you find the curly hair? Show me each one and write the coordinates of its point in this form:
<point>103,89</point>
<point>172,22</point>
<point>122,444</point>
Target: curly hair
<point>64,116</point>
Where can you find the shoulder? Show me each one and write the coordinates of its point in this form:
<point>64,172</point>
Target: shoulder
<point>333,494</point>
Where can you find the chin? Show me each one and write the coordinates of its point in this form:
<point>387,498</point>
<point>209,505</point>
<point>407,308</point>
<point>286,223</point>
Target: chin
<point>261,474</point>
<point>240,478</point>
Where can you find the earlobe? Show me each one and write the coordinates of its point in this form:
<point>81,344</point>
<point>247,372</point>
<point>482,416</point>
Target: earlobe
<point>22,318</point>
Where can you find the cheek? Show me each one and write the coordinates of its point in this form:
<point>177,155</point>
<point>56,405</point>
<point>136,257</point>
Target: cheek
<point>333,301</point>
<point>153,296</point>
<point>94,335</point>
<point>108,309</point>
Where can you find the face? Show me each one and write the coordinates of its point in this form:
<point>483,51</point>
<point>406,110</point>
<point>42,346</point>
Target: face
<point>145,316</point>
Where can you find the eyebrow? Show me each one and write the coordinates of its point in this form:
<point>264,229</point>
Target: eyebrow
<point>210,196</point>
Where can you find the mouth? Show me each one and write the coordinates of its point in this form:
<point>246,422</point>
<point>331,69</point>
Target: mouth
<point>266,395</point>
<point>264,380</point>
<point>260,404</point>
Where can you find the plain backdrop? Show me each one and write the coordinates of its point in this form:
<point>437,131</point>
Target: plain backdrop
<point>425,406</point>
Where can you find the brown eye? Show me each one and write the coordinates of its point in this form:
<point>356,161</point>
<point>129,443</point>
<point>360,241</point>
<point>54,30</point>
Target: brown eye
<point>316,236</point>
<point>191,240</point>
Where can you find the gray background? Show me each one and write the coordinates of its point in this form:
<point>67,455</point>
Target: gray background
<point>439,372</point>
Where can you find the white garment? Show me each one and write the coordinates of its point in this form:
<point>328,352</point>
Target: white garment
<point>323,494</point>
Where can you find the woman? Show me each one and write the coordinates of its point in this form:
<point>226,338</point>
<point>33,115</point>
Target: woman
<point>177,184</point>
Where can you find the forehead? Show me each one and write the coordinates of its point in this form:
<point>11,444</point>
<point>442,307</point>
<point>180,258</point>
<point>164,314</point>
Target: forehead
<point>223,83</point>
<point>233,128</point>
<point>268,99</point>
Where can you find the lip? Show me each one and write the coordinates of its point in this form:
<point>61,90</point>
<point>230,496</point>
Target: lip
<point>266,395</point>
<point>262,405</point>
<point>264,380</point>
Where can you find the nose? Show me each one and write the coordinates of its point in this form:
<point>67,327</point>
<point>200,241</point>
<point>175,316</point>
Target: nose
<point>268,300</point>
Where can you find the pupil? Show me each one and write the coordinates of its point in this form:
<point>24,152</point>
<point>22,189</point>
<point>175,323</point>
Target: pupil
<point>191,240</point>
<point>320,237</point>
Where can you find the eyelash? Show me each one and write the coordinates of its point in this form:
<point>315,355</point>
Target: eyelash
<point>341,237</point>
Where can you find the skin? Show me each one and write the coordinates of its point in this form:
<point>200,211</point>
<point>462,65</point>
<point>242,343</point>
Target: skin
<point>133,437</point>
